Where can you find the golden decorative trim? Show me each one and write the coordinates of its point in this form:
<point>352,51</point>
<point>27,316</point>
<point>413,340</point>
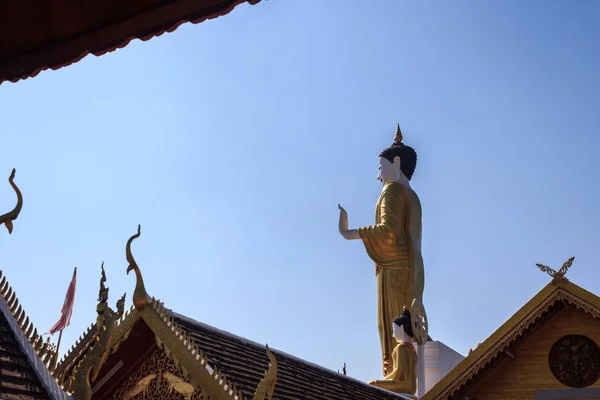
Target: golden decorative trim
<point>558,295</point>
<point>8,218</point>
<point>266,386</point>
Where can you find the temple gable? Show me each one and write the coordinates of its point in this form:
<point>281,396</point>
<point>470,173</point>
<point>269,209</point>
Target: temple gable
<point>530,372</point>
<point>548,350</point>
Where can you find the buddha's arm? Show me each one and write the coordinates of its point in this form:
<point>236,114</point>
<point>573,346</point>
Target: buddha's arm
<point>391,216</point>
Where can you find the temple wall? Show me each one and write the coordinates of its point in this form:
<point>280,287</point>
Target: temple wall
<point>530,372</point>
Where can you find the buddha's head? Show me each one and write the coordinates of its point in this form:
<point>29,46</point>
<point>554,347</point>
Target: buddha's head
<point>402,327</point>
<point>397,161</point>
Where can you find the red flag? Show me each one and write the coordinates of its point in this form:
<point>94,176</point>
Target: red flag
<point>67,309</point>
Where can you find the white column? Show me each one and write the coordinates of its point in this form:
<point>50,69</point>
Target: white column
<point>421,373</point>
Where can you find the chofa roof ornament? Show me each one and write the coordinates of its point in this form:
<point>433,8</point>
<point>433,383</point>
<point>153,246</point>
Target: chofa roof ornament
<point>140,297</point>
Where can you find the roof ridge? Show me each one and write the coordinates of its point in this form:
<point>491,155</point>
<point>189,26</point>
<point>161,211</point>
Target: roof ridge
<point>283,353</point>
<point>41,354</point>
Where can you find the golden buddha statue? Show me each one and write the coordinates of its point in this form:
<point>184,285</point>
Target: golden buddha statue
<point>403,378</point>
<point>394,244</point>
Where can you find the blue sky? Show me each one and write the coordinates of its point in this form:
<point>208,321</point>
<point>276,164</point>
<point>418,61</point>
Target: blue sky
<point>232,142</point>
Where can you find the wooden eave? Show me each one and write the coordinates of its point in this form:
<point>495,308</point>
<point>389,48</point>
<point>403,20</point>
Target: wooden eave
<point>511,332</point>
<point>35,36</point>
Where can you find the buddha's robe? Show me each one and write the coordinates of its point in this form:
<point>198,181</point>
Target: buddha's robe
<point>403,378</point>
<point>394,243</point>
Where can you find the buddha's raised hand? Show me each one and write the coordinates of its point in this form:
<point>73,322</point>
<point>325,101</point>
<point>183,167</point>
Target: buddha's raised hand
<point>343,225</point>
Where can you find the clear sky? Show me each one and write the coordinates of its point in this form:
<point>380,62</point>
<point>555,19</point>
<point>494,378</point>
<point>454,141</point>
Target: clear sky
<point>232,142</point>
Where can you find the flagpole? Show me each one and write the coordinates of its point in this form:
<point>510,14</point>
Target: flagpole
<point>58,344</point>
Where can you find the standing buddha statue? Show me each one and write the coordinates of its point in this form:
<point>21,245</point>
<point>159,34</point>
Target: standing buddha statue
<point>394,244</point>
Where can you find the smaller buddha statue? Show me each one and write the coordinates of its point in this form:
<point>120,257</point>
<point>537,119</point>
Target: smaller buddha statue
<point>403,378</point>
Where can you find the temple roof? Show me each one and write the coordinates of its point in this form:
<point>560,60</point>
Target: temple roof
<point>35,36</point>
<point>499,344</point>
<point>24,357</point>
<point>244,362</point>
<point>236,361</point>
<point>17,377</point>
<point>222,365</point>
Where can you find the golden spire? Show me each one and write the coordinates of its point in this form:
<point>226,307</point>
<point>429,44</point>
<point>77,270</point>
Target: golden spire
<point>140,297</point>
<point>557,276</point>
<point>398,135</point>
<point>9,217</point>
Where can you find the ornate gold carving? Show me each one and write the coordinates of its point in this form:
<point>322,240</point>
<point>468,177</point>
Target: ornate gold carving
<point>557,276</point>
<point>266,386</point>
<point>141,387</point>
<point>179,385</point>
<point>518,331</point>
<point>8,218</point>
<point>575,361</point>
<point>140,297</point>
<point>89,367</point>
<point>158,378</point>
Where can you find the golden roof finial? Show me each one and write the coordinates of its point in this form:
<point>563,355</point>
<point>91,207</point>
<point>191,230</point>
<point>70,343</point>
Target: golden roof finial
<point>557,276</point>
<point>140,297</point>
<point>266,386</point>
<point>10,216</point>
<point>398,135</point>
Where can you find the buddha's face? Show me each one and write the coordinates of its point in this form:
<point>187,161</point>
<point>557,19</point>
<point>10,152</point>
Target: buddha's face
<point>398,333</point>
<point>388,171</point>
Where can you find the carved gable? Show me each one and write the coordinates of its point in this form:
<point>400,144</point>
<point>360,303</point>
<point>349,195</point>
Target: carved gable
<point>530,370</point>
<point>548,350</point>
<point>158,378</point>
